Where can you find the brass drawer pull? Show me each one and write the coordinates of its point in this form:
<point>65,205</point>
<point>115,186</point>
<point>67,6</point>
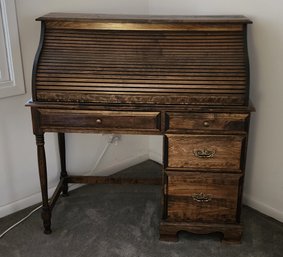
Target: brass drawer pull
<point>206,124</point>
<point>204,153</point>
<point>201,197</point>
<point>99,121</point>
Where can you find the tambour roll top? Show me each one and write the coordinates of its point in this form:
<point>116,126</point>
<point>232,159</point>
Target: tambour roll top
<point>163,60</point>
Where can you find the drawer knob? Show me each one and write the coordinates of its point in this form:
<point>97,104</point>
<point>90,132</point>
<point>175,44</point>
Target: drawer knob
<point>99,121</point>
<point>204,153</point>
<point>201,197</point>
<point>206,124</point>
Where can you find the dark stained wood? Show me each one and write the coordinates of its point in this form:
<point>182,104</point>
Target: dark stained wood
<point>164,195</point>
<point>57,193</point>
<point>155,62</point>
<point>183,77</point>
<point>232,233</point>
<point>36,59</point>
<point>113,180</point>
<point>137,107</point>
<point>100,120</point>
<point>144,18</point>
<point>140,98</point>
<point>46,210</point>
<point>207,121</point>
<point>86,25</point>
<point>62,153</point>
<point>205,151</point>
<point>203,197</point>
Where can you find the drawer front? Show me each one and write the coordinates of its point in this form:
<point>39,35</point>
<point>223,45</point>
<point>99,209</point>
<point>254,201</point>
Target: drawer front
<point>207,121</point>
<point>205,151</point>
<point>100,120</point>
<point>203,197</point>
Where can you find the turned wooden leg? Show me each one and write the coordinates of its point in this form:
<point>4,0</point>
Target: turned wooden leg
<point>62,152</point>
<point>46,210</point>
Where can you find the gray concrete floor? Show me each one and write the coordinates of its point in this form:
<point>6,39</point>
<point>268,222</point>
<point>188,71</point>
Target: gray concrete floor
<point>115,220</point>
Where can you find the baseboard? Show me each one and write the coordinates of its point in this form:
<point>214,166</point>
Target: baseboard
<point>36,198</point>
<point>263,208</point>
<point>23,203</point>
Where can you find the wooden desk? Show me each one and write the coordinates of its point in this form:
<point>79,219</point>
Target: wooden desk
<point>186,78</point>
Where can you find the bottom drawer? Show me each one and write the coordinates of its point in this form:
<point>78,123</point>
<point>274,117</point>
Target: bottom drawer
<point>203,197</point>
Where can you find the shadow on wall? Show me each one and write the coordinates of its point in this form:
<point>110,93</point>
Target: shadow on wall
<point>255,96</point>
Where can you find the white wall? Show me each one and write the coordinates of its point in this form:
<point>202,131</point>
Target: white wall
<point>19,183</point>
<point>264,180</point>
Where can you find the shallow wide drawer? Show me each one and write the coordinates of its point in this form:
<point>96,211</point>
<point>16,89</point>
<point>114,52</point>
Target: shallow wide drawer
<point>207,121</point>
<point>203,197</point>
<point>100,120</point>
<point>205,151</point>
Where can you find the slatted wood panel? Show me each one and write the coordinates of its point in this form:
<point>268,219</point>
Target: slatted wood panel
<point>112,66</point>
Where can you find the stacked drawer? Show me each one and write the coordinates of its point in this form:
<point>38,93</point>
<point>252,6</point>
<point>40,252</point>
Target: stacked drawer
<point>204,161</point>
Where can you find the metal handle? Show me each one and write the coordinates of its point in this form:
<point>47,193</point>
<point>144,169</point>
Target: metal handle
<point>204,153</point>
<point>206,124</point>
<point>201,197</point>
<point>99,121</point>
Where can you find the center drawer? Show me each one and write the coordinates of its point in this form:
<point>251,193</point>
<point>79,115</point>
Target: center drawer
<point>207,121</point>
<point>203,197</point>
<point>100,120</point>
<point>193,152</point>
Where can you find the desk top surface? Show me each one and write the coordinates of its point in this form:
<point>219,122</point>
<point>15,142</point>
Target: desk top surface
<point>143,18</point>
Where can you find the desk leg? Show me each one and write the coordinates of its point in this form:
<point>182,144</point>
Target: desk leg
<point>62,152</point>
<point>46,210</point>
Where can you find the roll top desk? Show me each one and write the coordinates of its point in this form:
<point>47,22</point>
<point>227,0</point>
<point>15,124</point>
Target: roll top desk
<point>185,78</point>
